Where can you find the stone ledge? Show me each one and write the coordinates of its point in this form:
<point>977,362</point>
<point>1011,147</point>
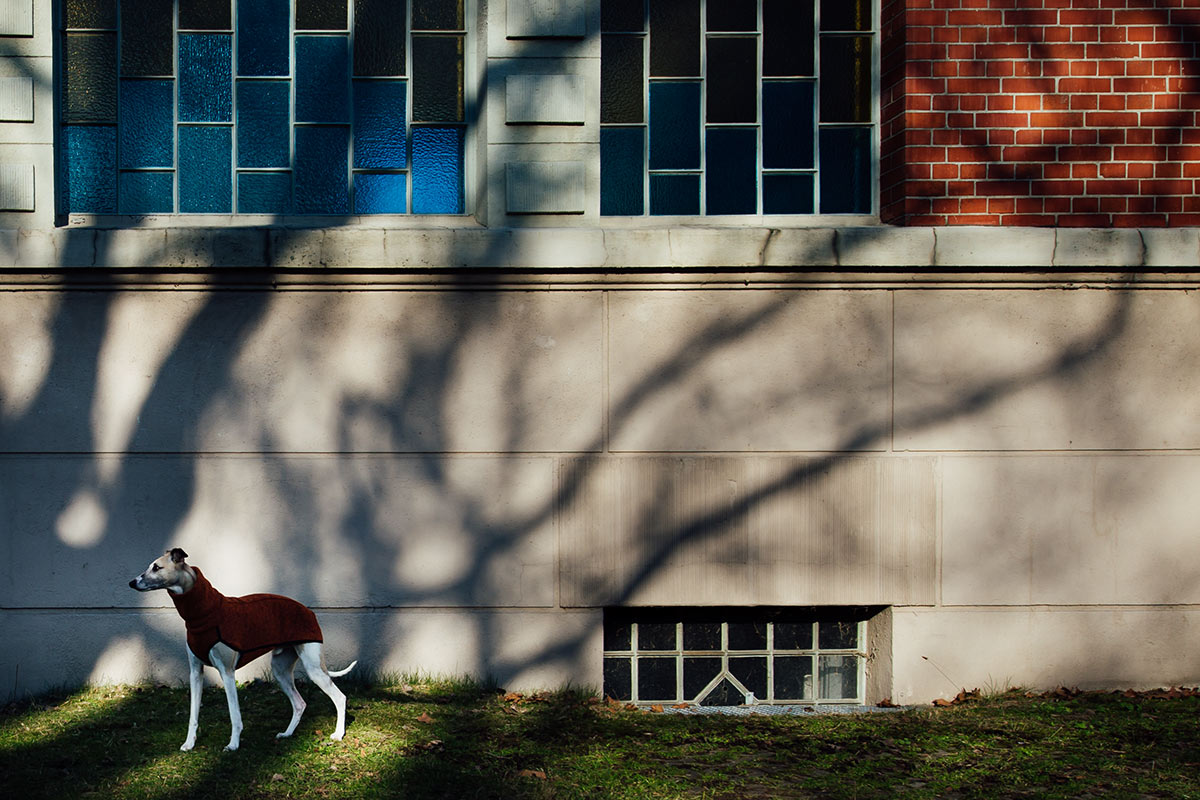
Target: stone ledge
<point>614,248</point>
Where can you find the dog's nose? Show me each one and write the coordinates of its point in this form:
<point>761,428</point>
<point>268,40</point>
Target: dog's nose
<point>133,584</point>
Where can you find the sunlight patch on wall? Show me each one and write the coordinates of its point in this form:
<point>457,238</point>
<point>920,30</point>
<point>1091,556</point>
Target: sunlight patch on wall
<point>124,660</point>
<point>81,524</point>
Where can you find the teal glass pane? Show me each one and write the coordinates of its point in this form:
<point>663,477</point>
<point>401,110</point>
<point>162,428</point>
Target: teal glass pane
<point>731,176</point>
<point>380,193</point>
<point>205,15</point>
<point>263,132</point>
<point>622,15</point>
<point>322,169</point>
<point>379,129</point>
<point>265,193</point>
<point>788,124</point>
<point>320,15</point>
<point>88,161</point>
<point>437,78</point>
<point>732,15</point>
<point>205,169</point>
<point>321,86</point>
<point>91,14</point>
<point>437,170</point>
<point>146,34</point>
<point>732,87</point>
<point>788,194</point>
<point>263,40</point>
<point>437,15</point>
<point>675,39</point>
<point>147,192</point>
<point>845,170</point>
<point>380,37</point>
<point>845,15</point>
<point>622,167</point>
<point>622,91</point>
<point>147,124</point>
<point>675,194</point>
<point>845,79</point>
<point>674,125</point>
<point>205,77</point>
<point>788,30</point>
<point>90,77</point>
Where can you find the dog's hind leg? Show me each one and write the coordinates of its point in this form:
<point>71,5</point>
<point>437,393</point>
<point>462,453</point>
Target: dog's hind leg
<point>310,657</point>
<point>283,665</point>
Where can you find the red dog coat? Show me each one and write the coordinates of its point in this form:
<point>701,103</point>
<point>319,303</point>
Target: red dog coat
<point>253,625</point>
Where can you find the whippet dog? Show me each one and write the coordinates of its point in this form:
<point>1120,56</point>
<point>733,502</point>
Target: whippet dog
<point>230,632</point>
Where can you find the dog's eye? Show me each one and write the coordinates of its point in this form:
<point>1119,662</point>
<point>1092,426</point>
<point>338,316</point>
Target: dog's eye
<point>156,568</point>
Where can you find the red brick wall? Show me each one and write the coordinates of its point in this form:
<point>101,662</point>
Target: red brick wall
<point>1040,112</point>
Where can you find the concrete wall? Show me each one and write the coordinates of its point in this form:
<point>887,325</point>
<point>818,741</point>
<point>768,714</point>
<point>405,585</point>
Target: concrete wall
<point>459,470</point>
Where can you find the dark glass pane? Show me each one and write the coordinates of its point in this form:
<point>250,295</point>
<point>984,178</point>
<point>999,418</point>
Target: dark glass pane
<point>147,124</point>
<point>437,78</point>
<point>383,193</point>
<point>146,47</point>
<point>656,679</point>
<point>793,678</point>
<point>732,15</point>
<point>262,124</point>
<point>788,126</point>
<point>618,633</point>
<point>838,635</point>
<point>731,184</point>
<point>787,37</point>
<point>90,77</point>
<point>379,132</point>
<point>656,636</point>
<point>793,636</point>
<point>437,15</point>
<point>91,14</point>
<point>697,674</point>
<point>622,165</point>
<point>205,77</point>
<point>205,169</point>
<point>322,179</point>
<point>265,193</point>
<point>788,194</point>
<point>379,37</point>
<point>845,170</point>
<point>321,94</point>
<point>747,635</point>
<point>845,79</point>
<point>701,636</point>
<point>147,193</point>
<point>752,672</point>
<point>618,679</point>
<point>321,15</point>
<point>845,15</point>
<point>674,125</point>
<point>732,79</point>
<point>205,15</point>
<point>621,82</point>
<point>622,15</point>
<point>839,677</point>
<point>437,170</point>
<point>725,694</point>
<point>263,41</point>
<point>675,38</point>
<point>674,194</point>
<point>89,164</point>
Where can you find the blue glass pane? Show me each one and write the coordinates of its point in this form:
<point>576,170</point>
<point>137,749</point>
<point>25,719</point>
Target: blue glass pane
<point>265,193</point>
<point>147,193</point>
<point>788,194</point>
<point>788,124</point>
<point>321,88</point>
<point>674,194</point>
<point>147,122</point>
<point>845,170</point>
<point>379,141</point>
<point>89,163</point>
<point>622,165</point>
<point>731,179</point>
<point>205,77</point>
<point>674,125</point>
<point>437,170</point>
<point>205,169</point>
<point>322,169</point>
<point>262,124</point>
<point>263,38</point>
<point>380,194</point>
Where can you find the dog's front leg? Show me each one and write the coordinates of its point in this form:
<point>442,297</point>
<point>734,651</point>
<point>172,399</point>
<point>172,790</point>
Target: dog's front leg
<point>196,682</point>
<point>225,660</point>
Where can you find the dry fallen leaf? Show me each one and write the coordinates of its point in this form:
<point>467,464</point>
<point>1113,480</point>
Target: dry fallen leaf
<point>276,777</point>
<point>656,708</point>
<point>532,773</point>
<point>425,718</point>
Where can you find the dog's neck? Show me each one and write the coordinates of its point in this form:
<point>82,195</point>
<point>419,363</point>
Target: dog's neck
<point>187,579</point>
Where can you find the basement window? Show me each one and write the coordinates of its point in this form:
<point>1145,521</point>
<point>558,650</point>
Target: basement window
<point>735,656</point>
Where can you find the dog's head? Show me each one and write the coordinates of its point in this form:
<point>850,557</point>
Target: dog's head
<point>168,571</point>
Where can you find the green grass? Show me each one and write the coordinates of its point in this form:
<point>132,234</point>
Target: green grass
<point>457,739</point>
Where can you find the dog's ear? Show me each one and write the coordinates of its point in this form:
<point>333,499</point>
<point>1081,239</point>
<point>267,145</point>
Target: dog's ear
<point>177,555</point>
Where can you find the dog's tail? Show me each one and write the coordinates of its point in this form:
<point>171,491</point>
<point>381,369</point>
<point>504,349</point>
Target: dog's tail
<point>342,672</point>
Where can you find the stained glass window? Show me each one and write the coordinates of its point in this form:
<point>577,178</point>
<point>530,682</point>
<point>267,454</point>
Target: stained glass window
<point>326,107</point>
<point>737,107</point>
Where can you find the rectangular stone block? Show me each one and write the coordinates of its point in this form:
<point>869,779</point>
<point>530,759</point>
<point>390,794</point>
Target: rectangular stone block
<point>16,17</point>
<point>16,187</point>
<point>545,187</point>
<point>16,99</point>
<point>535,19</point>
<point>545,99</point>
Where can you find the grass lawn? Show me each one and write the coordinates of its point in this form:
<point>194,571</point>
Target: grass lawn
<point>459,740</point>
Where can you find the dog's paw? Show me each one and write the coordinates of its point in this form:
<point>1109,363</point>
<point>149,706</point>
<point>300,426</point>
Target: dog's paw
<point>335,736</point>
<point>187,746</point>
<point>282,735</point>
<point>229,748</point>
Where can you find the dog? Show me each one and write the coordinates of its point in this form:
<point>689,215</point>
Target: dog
<point>230,632</point>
